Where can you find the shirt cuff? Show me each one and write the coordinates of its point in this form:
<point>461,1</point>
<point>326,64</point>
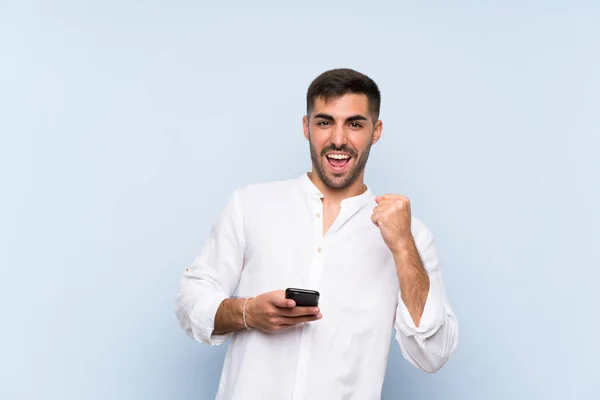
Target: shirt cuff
<point>203,319</point>
<point>434,314</point>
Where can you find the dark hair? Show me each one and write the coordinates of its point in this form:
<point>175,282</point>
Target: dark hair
<point>338,82</point>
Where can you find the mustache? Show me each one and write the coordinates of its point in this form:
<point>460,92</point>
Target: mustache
<point>343,149</point>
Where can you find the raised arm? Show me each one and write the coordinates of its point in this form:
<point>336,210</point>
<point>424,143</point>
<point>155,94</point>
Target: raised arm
<point>426,327</point>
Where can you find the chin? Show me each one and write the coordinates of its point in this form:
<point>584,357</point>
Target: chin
<point>338,181</point>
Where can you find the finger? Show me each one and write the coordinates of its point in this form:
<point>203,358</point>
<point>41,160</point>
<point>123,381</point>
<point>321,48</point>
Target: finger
<point>380,213</point>
<point>388,204</point>
<point>299,320</point>
<point>300,311</point>
<point>281,302</point>
<point>393,198</point>
<point>379,199</point>
<point>383,209</point>
<point>385,197</point>
<point>385,201</point>
<point>375,218</point>
<point>383,206</point>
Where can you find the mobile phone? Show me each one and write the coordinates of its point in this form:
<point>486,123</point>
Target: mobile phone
<point>303,297</point>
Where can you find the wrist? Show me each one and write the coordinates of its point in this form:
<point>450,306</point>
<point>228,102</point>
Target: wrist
<point>246,319</point>
<point>403,246</point>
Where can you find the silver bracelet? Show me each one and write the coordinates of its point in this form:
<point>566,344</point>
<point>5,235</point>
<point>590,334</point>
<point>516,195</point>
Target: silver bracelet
<point>244,312</point>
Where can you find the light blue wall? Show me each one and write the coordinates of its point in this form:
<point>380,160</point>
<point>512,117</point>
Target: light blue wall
<point>125,127</point>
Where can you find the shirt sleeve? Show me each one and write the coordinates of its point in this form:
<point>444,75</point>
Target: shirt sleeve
<point>431,344</point>
<point>213,276</point>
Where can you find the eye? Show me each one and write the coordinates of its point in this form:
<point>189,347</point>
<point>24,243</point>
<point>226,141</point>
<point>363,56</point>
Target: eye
<point>355,124</point>
<point>323,123</point>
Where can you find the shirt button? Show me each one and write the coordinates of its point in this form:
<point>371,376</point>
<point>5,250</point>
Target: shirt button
<point>319,249</point>
<point>318,215</point>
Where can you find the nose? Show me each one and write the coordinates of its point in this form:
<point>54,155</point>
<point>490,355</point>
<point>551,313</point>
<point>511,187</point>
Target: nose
<point>338,136</point>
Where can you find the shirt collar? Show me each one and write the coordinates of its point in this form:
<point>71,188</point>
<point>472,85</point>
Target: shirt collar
<point>357,201</point>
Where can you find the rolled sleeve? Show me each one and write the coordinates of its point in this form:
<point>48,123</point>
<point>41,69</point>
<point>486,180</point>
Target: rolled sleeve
<point>434,314</point>
<point>429,345</point>
<point>213,276</point>
<point>203,318</point>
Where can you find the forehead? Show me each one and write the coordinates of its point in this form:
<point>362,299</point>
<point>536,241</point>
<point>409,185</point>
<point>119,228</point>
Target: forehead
<point>343,106</point>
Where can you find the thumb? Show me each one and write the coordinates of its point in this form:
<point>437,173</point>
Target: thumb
<point>279,300</point>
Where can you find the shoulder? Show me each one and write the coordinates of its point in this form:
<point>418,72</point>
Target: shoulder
<point>418,226</point>
<point>420,231</point>
<point>266,191</point>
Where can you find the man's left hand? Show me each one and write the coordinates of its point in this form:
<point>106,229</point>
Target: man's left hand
<point>392,216</point>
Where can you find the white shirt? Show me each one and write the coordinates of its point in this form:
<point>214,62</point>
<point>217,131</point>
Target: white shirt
<point>270,237</point>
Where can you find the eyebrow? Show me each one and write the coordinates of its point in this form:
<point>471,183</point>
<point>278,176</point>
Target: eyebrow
<point>356,117</point>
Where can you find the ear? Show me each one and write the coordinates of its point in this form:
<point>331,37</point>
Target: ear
<point>377,131</point>
<point>305,126</point>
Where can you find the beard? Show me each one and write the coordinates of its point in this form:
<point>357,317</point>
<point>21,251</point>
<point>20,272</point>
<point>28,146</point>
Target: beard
<point>344,179</point>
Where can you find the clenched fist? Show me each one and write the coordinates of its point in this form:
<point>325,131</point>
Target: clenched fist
<point>392,216</point>
<point>272,312</point>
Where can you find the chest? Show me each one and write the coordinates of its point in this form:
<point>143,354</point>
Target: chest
<point>330,214</point>
<point>288,248</point>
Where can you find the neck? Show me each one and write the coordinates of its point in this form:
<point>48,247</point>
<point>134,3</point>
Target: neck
<point>356,188</point>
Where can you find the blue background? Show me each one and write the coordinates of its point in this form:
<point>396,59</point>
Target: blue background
<point>125,126</point>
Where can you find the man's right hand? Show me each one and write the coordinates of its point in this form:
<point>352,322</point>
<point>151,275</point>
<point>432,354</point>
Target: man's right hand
<point>271,312</point>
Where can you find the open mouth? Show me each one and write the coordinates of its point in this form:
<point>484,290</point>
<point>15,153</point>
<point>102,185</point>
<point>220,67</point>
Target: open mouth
<point>338,161</point>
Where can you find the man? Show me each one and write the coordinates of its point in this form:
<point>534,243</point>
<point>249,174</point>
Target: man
<point>375,266</point>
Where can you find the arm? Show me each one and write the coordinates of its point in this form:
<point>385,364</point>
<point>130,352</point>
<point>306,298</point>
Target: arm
<point>229,317</point>
<point>267,312</point>
<point>204,308</point>
<point>426,327</point>
<point>413,279</point>
<point>213,277</point>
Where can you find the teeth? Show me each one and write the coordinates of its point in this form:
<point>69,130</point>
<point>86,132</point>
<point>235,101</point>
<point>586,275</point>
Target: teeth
<point>338,156</point>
